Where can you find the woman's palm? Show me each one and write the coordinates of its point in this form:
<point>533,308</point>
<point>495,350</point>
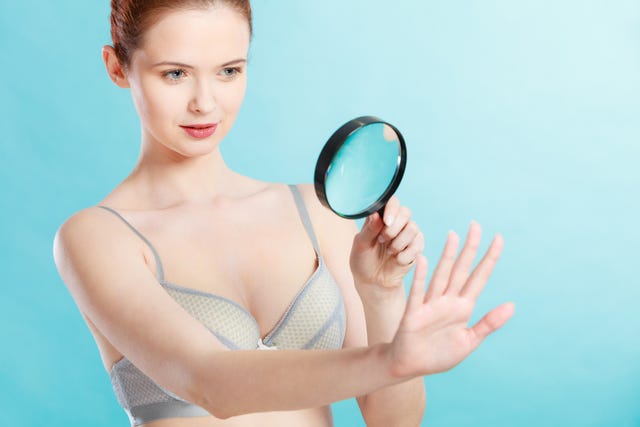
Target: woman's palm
<point>434,335</point>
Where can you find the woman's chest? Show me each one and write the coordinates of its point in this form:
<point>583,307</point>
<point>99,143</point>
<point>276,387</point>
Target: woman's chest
<point>261,267</point>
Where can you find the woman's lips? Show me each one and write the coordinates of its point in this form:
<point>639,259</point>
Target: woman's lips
<point>200,131</point>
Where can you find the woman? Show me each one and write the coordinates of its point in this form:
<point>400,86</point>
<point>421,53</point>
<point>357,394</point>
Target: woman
<point>186,259</point>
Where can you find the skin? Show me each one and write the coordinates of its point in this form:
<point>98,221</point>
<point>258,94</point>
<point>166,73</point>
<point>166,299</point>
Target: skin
<point>224,233</point>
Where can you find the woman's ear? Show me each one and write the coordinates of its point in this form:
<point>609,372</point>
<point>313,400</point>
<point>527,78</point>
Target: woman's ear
<point>114,68</point>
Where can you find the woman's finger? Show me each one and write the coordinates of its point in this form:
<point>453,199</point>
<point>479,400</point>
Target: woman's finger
<point>483,270</point>
<point>406,236</point>
<point>416,292</point>
<point>400,220</point>
<point>440,277</point>
<point>411,252</point>
<point>391,211</point>
<point>460,271</point>
<point>370,231</point>
<point>491,322</point>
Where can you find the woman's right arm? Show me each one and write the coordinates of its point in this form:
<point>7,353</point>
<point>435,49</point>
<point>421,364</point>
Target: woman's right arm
<point>109,280</point>
<point>104,269</point>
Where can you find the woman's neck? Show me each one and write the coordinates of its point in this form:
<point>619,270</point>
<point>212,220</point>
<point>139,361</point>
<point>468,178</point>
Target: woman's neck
<point>164,180</point>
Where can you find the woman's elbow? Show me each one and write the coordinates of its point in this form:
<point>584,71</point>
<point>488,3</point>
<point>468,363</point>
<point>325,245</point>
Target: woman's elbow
<point>208,399</point>
<point>209,393</point>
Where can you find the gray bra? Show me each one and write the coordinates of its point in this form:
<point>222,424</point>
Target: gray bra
<point>315,319</point>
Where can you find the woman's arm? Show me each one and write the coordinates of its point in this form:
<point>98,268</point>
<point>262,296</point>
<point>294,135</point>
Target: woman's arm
<point>375,314</point>
<point>383,253</point>
<point>104,269</point>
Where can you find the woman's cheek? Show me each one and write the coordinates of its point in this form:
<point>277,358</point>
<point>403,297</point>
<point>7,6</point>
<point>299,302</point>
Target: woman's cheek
<point>145,98</point>
<point>235,97</point>
<point>167,104</point>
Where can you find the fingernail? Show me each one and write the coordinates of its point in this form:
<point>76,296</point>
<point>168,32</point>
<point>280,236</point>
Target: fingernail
<point>380,239</point>
<point>389,220</point>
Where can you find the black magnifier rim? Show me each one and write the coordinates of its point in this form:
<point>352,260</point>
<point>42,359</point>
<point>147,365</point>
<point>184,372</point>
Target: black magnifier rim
<point>331,148</point>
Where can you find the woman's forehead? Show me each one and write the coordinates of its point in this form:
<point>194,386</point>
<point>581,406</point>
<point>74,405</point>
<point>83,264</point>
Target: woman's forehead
<point>218,34</point>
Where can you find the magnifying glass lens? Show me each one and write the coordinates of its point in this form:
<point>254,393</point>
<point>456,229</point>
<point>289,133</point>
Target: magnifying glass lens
<point>362,169</point>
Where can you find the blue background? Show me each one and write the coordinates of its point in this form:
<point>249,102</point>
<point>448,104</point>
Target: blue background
<point>523,115</point>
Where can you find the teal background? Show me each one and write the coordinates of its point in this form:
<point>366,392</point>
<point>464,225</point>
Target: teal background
<point>523,115</point>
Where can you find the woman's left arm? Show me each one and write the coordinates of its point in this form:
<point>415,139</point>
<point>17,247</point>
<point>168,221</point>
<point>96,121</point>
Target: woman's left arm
<point>370,274</point>
<point>382,254</point>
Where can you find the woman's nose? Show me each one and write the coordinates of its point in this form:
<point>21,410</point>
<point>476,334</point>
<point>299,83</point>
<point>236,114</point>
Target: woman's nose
<point>203,100</point>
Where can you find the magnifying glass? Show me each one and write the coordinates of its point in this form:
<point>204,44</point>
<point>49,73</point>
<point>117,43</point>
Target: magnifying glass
<point>360,167</point>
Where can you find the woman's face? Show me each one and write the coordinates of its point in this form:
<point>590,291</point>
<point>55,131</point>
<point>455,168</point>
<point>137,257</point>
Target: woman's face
<point>188,79</point>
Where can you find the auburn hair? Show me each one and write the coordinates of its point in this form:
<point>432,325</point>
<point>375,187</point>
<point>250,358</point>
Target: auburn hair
<point>130,19</point>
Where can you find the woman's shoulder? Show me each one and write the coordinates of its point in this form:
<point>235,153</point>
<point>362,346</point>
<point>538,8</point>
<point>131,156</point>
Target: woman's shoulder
<point>86,229</point>
<point>85,219</point>
<point>92,218</point>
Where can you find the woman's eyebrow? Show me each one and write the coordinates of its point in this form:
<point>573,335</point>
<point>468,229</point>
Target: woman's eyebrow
<point>182,65</point>
<point>172,63</point>
<point>235,61</point>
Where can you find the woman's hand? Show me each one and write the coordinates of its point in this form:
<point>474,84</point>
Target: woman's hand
<point>384,252</point>
<point>433,335</point>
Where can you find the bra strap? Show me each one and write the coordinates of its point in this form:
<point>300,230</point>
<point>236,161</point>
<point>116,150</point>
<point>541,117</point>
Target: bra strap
<point>304,215</point>
<point>159,269</point>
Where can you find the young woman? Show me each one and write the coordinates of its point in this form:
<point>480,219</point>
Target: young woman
<point>186,260</point>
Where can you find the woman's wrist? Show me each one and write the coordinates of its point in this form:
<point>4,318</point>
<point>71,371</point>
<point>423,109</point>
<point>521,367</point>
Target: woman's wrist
<point>383,310</point>
<point>393,373</point>
<point>376,297</point>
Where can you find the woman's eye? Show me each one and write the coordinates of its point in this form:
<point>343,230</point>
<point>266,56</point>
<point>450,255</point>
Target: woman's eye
<point>230,72</point>
<point>174,75</point>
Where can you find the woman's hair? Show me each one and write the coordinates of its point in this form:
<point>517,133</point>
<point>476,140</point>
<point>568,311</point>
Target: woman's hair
<point>130,19</point>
